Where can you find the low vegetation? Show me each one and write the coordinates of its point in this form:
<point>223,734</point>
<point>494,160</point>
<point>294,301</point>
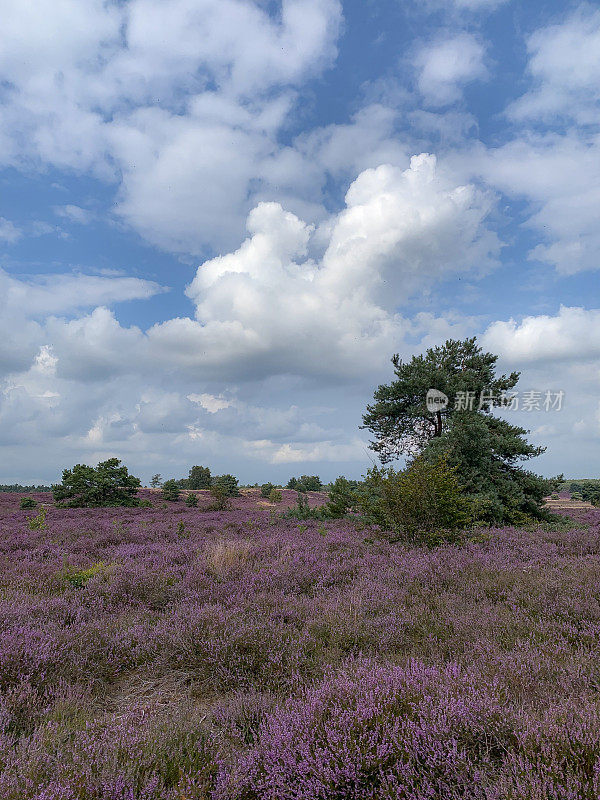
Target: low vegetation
<point>169,653</point>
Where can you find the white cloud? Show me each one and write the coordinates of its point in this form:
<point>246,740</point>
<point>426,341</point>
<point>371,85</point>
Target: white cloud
<point>81,216</point>
<point>478,5</point>
<point>275,307</point>
<point>209,402</point>
<point>8,231</point>
<point>57,294</point>
<point>554,160</point>
<point>564,63</point>
<point>572,335</point>
<point>179,102</point>
<point>559,353</point>
<point>446,65</point>
<point>292,453</point>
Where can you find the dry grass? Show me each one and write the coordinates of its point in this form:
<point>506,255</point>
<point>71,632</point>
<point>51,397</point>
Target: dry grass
<point>224,556</point>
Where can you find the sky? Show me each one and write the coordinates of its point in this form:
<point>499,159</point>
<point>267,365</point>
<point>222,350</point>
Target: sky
<point>219,219</point>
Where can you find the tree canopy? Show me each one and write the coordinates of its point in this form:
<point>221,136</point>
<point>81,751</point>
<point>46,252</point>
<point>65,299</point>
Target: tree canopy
<point>199,478</point>
<point>485,450</point>
<point>399,419</point>
<point>108,484</point>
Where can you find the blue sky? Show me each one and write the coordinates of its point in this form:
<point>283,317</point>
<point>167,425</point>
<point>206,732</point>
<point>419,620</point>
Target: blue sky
<point>220,218</point>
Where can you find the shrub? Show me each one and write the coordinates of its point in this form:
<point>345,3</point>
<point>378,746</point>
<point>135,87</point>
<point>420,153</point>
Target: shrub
<point>78,576</point>
<point>265,489</point>
<point>191,500</point>
<point>228,483</point>
<point>171,491</point>
<point>38,523</point>
<point>222,501</point>
<point>109,484</point>
<point>342,497</point>
<point>302,510</point>
<point>422,504</point>
<point>274,496</point>
<point>27,502</point>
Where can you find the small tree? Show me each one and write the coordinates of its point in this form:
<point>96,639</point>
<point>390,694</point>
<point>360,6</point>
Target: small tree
<point>306,483</point>
<point>155,481</point>
<point>191,500</point>
<point>109,484</point>
<point>199,478</point>
<point>274,495</point>
<point>221,497</point>
<point>342,497</point>
<point>171,491</point>
<point>228,483</point>
<point>265,489</point>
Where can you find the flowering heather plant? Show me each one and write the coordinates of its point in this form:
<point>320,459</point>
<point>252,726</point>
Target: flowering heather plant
<point>246,660</point>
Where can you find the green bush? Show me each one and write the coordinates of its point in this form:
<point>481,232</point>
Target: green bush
<point>27,502</point>
<point>302,510</point>
<point>342,498</point>
<point>38,523</point>
<point>422,504</point>
<point>78,577</point>
<point>221,497</point>
<point>108,484</point>
<point>275,496</point>
<point>228,483</point>
<point>171,491</point>
<point>265,489</point>
<point>191,500</point>
<point>306,483</point>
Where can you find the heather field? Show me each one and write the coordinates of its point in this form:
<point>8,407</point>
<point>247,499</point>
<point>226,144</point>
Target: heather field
<point>174,653</point>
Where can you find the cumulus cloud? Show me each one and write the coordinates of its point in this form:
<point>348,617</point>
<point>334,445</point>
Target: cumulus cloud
<point>564,64</point>
<point>446,65</point>
<point>572,335</point>
<point>554,160</point>
<point>556,353</point>
<point>401,231</point>
<point>268,309</point>
<point>178,102</point>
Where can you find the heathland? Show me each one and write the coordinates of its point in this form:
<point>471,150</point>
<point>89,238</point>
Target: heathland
<point>174,653</point>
